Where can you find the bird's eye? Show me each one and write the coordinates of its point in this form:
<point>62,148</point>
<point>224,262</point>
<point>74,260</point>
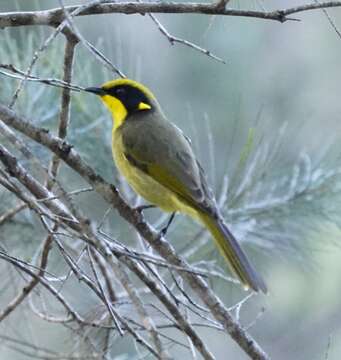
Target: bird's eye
<point>121,92</point>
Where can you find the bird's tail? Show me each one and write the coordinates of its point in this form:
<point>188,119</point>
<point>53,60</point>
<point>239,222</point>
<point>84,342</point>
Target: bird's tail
<point>233,253</point>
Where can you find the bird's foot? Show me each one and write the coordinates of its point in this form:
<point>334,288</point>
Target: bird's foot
<point>141,208</point>
<point>163,231</point>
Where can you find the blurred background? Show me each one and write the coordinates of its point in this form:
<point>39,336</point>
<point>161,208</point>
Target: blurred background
<point>266,127</point>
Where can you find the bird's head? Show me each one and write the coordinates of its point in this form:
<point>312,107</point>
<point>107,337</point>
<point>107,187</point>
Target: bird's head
<point>124,97</point>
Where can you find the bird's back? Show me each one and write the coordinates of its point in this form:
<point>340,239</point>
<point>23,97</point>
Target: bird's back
<point>159,149</point>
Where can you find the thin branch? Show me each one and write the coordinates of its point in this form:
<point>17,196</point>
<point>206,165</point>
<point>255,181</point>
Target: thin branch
<point>27,289</point>
<point>61,27</point>
<point>93,50</point>
<point>64,116</point>
<point>107,302</point>
<point>12,186</point>
<point>330,20</point>
<point>25,344</point>
<point>21,75</point>
<point>173,39</point>
<point>73,315</point>
<point>105,272</point>
<point>8,215</point>
<point>68,194</point>
<point>54,17</point>
<point>39,191</point>
<point>28,154</point>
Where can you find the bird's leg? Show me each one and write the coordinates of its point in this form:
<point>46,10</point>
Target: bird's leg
<point>141,208</point>
<point>163,232</point>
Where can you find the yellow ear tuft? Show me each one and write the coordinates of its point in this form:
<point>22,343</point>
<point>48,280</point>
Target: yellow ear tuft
<point>144,106</point>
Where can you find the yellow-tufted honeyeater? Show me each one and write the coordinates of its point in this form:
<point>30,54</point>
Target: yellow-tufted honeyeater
<point>158,162</point>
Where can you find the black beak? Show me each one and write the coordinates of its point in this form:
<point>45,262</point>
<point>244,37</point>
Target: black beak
<point>96,90</point>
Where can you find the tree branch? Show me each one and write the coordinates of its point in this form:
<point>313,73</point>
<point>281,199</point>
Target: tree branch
<point>27,289</point>
<point>65,105</point>
<point>9,214</point>
<point>53,17</point>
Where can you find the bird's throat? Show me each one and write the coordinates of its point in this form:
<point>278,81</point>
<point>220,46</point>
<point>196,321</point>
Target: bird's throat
<point>117,110</point>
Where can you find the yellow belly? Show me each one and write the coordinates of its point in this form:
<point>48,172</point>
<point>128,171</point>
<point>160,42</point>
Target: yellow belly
<point>144,185</point>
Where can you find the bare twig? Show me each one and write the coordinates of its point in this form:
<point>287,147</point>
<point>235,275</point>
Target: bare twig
<point>113,313</point>
<point>19,74</point>
<point>93,50</point>
<point>54,17</point>
<point>65,105</point>
<point>49,287</point>
<point>105,272</point>
<point>329,18</point>
<point>8,215</point>
<point>173,39</point>
<point>27,289</point>
<point>60,28</point>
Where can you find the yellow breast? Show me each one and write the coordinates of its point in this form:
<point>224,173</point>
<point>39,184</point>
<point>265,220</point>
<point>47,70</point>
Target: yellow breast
<point>143,184</point>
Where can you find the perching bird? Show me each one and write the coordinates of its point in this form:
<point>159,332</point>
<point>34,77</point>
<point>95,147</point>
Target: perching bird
<point>158,162</point>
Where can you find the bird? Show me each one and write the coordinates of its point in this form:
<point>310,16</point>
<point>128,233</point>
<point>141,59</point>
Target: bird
<point>158,162</point>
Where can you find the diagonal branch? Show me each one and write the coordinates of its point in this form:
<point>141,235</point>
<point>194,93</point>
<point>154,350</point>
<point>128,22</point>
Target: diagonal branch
<point>9,214</point>
<point>330,20</point>
<point>27,289</point>
<point>173,39</point>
